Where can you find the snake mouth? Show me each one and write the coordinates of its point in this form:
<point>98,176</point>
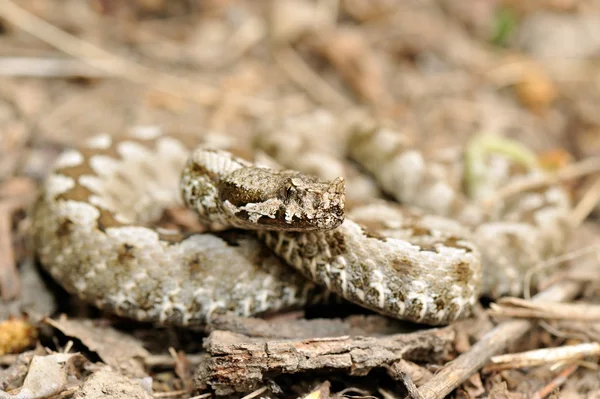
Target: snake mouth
<point>281,220</point>
<point>287,200</point>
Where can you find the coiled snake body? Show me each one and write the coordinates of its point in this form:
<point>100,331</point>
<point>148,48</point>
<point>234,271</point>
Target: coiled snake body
<point>95,231</point>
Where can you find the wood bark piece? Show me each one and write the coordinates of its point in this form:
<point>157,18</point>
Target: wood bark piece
<point>240,364</point>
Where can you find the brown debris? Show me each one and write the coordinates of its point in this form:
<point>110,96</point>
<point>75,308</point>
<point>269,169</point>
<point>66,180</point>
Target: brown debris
<point>183,369</point>
<point>116,349</point>
<point>13,376</point>
<point>240,364</point>
<point>15,194</point>
<point>47,376</point>
<point>536,90</point>
<point>36,299</point>
<point>106,383</point>
<point>10,284</point>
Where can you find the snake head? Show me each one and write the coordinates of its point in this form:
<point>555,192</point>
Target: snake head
<point>260,198</point>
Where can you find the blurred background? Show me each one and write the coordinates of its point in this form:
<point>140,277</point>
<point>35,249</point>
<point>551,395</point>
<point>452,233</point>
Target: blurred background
<point>441,69</point>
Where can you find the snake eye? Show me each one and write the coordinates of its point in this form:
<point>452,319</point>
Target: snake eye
<point>288,191</point>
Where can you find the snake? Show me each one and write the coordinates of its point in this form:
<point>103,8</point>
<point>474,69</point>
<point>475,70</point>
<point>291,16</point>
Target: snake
<point>272,239</point>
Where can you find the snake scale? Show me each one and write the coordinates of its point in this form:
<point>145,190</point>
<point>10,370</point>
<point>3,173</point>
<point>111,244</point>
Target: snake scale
<point>275,239</point>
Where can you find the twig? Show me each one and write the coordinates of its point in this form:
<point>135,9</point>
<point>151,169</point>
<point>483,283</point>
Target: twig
<point>299,72</point>
<point>255,393</point>
<point>578,169</point>
<point>586,204</point>
<point>239,363</point>
<point>459,370</point>
<point>539,357</point>
<point>102,59</point>
<point>403,369</point>
<point>555,383</point>
<point>170,394</point>
<point>518,307</point>
<point>410,386</point>
<point>48,68</point>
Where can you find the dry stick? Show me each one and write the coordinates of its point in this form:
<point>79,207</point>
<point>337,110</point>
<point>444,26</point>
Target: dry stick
<point>555,383</point>
<point>410,386</point>
<point>539,357</point>
<point>586,204</point>
<point>170,394</point>
<point>301,74</point>
<point>506,333</point>
<point>518,307</point>
<point>48,68</point>
<point>255,393</point>
<point>103,59</point>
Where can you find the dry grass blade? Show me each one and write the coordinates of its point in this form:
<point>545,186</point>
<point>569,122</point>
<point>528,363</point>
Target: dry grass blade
<point>170,394</point>
<point>255,393</point>
<point>542,356</point>
<point>517,307</point>
<point>587,204</point>
<point>48,68</point>
<point>301,74</point>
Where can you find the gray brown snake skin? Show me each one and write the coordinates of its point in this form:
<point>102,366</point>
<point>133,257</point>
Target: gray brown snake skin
<point>94,230</point>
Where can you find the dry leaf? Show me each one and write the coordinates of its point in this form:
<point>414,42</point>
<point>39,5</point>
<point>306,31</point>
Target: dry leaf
<point>115,348</point>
